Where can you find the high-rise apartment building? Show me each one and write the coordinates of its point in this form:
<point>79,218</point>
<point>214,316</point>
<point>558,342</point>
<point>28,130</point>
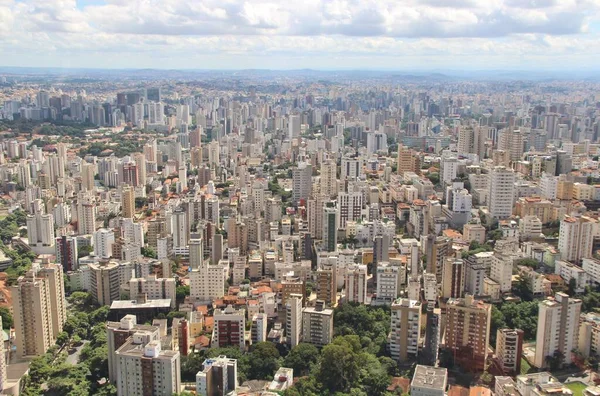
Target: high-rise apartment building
<point>557,329</point>
<point>145,369</point>
<point>330,229</point>
<point>408,161</point>
<point>40,229</point>
<point>301,182</point>
<point>468,331</point>
<point>66,252</point>
<point>453,278</point>
<point>117,333</point>
<point>229,327</point>
<point>128,201</point>
<point>509,350</point>
<point>103,242</point>
<point>501,192</point>
<point>405,329</point>
<point>328,179</point>
<point>327,286</point>
<point>105,282</point>
<point>38,310</point>
<point>576,237</point>
<point>349,207</point>
<point>218,377</point>
<point>317,324</point>
<point>355,283</point>
<point>293,319</point>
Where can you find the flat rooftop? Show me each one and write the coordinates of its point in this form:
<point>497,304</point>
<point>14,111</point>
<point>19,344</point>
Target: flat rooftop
<point>430,377</point>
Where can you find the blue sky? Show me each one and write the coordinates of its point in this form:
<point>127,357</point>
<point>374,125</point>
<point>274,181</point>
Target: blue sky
<point>318,34</point>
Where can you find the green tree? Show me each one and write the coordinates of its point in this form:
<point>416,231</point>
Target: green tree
<point>339,369</point>
<point>7,319</point>
<point>263,360</point>
<point>301,358</point>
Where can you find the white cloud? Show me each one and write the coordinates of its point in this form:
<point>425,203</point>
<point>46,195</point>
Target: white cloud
<point>311,33</point>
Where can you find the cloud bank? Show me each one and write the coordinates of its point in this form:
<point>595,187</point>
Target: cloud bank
<point>384,34</point>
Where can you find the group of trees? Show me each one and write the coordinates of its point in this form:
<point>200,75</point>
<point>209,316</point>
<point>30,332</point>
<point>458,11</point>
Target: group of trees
<point>521,315</point>
<point>355,363</point>
<point>9,226</point>
<point>85,321</point>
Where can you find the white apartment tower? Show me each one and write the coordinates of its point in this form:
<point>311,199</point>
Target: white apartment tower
<point>576,237</point>
<point>501,192</point>
<point>558,328</point>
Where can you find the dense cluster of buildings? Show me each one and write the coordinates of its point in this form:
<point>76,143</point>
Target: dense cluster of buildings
<point>255,214</point>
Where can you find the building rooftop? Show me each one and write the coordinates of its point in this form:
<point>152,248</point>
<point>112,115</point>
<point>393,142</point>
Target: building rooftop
<point>430,377</point>
<point>133,304</point>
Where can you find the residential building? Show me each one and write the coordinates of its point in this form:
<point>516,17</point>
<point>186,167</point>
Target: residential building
<point>557,328</point>
<point>501,194</point>
<point>355,283</point>
<point>218,377</point>
<point>404,339</point>
<point>576,236</point>
<point>117,333</point>
<point>569,271</point>
<point>468,331</point>
<point>293,319</point>
<point>144,368</point>
<point>229,327</point>
<point>154,287</point>
<point>509,350</point>
<point>317,324</point>
<point>429,381</point>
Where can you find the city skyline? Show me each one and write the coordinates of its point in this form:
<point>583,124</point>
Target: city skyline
<point>408,35</point>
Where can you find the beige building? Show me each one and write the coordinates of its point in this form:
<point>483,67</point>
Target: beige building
<point>576,237</point>
<point>105,282</point>
<point>144,369</point>
<point>408,161</point>
<point>405,329</point>
<point>327,286</point>
<point>317,324</point>
<point>558,328</point>
<point>154,287</point>
<point>117,333</point>
<point>128,201</point>
<point>38,302</point>
<point>474,232</point>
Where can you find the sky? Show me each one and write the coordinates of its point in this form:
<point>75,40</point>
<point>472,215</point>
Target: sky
<point>294,34</point>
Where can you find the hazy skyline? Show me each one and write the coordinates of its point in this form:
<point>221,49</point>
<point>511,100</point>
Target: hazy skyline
<point>185,34</point>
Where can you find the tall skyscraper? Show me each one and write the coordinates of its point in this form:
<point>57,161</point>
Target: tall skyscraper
<point>293,319</point>
<point>405,329</point>
<point>128,201</point>
<point>468,331</point>
<point>38,310</point>
<point>557,328</point>
<point>501,193</point>
<point>66,252</point>
<point>302,182</point>
<point>330,214</point>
